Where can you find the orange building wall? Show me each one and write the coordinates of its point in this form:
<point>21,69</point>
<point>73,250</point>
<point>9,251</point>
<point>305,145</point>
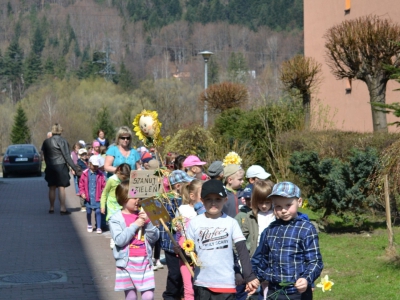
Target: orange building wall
<point>353,111</point>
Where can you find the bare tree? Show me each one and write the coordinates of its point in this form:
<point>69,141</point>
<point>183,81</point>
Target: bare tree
<point>360,49</point>
<point>301,75</point>
<point>225,95</point>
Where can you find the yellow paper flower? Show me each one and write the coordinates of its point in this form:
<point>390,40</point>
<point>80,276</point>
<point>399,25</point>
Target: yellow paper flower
<point>188,245</point>
<point>177,223</point>
<point>232,158</point>
<point>325,284</point>
<point>147,126</point>
<point>305,203</point>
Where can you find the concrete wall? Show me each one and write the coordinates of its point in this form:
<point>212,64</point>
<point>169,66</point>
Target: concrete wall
<point>353,111</point>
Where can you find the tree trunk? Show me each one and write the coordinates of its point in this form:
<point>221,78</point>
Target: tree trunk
<point>306,107</point>
<point>377,93</point>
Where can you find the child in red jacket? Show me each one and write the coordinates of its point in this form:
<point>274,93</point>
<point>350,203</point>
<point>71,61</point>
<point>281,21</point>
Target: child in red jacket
<point>91,186</point>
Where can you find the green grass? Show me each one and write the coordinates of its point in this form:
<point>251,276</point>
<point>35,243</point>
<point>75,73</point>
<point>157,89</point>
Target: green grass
<point>358,261</point>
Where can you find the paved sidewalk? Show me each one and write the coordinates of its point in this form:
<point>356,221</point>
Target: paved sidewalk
<point>49,256</point>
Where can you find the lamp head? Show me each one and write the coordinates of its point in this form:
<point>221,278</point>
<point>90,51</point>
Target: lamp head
<point>206,55</point>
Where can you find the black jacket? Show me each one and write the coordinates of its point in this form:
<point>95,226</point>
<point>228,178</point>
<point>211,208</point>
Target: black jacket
<point>56,152</point>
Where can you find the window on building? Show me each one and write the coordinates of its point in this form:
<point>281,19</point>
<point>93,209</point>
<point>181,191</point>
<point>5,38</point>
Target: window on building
<point>347,85</point>
<point>347,6</point>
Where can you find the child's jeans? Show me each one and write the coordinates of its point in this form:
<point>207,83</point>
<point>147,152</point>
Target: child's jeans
<point>187,281</point>
<point>97,215</point>
<point>76,184</point>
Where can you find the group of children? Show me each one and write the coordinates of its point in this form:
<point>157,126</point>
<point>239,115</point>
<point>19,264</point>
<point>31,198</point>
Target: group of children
<point>245,239</point>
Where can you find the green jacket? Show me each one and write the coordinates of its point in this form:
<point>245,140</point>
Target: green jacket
<point>242,213</point>
<point>249,225</point>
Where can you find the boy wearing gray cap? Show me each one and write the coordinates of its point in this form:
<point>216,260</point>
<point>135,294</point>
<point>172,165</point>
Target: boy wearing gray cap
<point>289,248</point>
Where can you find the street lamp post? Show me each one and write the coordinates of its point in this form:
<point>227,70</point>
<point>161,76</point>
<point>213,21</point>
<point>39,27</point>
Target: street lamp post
<point>206,55</point>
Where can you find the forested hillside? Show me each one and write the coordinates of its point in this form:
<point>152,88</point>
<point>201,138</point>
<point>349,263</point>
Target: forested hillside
<point>138,46</point>
<point>276,14</point>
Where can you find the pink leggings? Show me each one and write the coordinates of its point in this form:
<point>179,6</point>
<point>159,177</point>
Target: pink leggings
<point>146,295</point>
<point>187,281</point>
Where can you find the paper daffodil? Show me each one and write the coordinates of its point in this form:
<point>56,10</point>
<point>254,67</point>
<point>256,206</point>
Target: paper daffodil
<point>232,158</point>
<point>325,284</point>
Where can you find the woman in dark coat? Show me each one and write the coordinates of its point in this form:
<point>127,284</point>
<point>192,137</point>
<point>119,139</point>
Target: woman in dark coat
<point>57,157</point>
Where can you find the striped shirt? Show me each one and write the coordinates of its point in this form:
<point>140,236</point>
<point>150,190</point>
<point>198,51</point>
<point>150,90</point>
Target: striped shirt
<point>288,251</point>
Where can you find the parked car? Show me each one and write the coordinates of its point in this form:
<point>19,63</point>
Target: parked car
<point>23,158</point>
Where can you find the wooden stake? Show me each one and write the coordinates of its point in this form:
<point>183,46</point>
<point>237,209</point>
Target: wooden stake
<point>388,215</point>
<point>177,245</point>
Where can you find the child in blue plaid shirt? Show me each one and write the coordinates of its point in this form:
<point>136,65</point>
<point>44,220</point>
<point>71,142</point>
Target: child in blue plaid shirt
<point>288,252</point>
<point>174,288</point>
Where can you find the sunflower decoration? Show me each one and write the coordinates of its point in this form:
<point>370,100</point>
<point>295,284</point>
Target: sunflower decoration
<point>147,128</point>
<point>188,245</point>
<point>232,158</point>
<point>325,284</point>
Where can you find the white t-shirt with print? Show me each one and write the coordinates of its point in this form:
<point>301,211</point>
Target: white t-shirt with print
<point>213,240</point>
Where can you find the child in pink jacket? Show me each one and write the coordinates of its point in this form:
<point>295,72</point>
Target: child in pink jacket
<point>91,186</point>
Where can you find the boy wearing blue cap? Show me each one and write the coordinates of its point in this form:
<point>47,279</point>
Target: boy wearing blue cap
<point>288,252</point>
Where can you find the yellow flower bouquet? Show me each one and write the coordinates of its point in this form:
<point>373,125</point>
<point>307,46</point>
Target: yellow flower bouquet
<point>232,158</point>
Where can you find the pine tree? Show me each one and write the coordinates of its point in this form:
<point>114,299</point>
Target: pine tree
<point>49,66</point>
<point>33,68</point>
<point>125,78</point>
<point>9,9</point>
<point>104,123</point>
<point>20,133</point>
<point>13,61</point>
<point>38,41</point>
<point>12,71</point>
<point>60,68</point>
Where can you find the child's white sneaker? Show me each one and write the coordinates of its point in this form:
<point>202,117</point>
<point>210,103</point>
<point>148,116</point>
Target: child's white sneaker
<point>158,265</point>
<point>99,231</point>
<point>89,228</point>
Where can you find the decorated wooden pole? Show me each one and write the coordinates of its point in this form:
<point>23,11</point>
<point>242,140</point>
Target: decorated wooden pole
<point>158,215</point>
<point>177,245</point>
<point>145,184</point>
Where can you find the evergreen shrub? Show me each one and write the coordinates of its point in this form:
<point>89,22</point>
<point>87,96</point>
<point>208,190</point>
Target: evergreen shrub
<point>339,186</point>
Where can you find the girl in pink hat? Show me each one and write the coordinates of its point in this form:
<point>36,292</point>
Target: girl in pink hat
<point>194,166</point>
<point>96,147</point>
